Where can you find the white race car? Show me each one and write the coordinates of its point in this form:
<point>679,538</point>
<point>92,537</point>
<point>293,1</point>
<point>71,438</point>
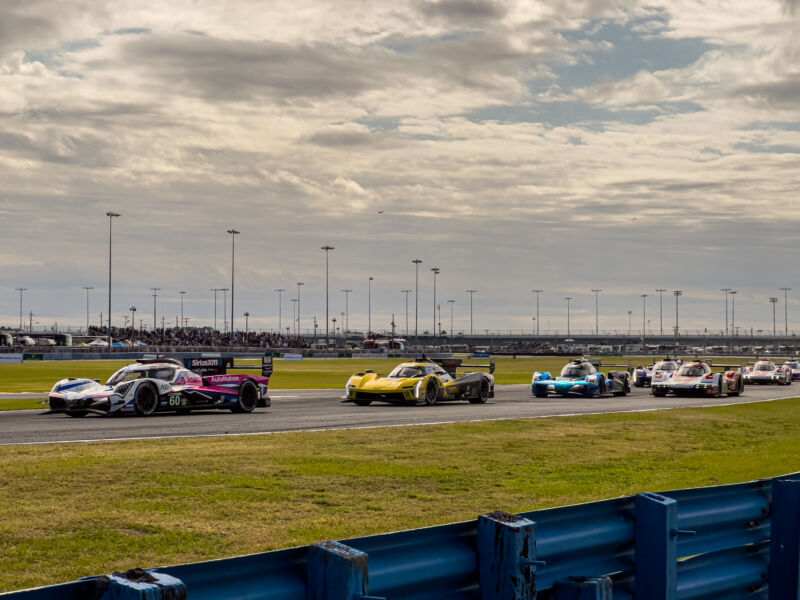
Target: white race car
<point>767,372</point>
<point>697,379</point>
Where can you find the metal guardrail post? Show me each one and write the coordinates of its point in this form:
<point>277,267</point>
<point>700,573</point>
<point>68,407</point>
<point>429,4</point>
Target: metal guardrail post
<point>784,549</point>
<point>656,552</point>
<point>337,572</point>
<point>139,584</point>
<point>507,557</point>
<point>583,588</point>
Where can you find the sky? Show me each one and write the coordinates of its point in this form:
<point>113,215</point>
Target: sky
<point>561,145</point>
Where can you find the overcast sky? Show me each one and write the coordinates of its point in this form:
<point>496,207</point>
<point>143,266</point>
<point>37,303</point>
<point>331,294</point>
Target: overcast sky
<point>561,145</point>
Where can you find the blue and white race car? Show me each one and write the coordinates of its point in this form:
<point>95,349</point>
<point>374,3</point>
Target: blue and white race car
<point>582,378</point>
<point>643,376</point>
<point>164,384</point>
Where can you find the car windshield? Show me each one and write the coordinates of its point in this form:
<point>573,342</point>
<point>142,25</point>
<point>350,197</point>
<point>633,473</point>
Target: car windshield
<point>575,371</point>
<point>404,371</point>
<point>665,365</point>
<point>126,374</point>
<point>692,371</point>
<point>764,366</point>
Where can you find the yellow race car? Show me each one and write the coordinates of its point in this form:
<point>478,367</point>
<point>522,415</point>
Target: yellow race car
<point>423,381</point>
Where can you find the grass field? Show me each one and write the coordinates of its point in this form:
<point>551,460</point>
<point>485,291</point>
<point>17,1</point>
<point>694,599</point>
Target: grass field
<point>39,377</point>
<point>79,509</point>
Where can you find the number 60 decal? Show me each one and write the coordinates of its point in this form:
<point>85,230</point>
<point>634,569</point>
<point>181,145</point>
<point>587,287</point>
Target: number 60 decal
<point>175,400</point>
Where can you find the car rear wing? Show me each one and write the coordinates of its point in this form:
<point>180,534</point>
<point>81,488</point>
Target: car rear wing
<point>597,363</point>
<point>219,365</point>
<point>452,365</point>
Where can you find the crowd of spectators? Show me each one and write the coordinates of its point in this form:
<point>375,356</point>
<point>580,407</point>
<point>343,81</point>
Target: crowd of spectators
<point>200,336</point>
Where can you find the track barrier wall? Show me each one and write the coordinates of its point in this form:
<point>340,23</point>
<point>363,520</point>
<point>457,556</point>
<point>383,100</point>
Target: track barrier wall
<point>731,541</point>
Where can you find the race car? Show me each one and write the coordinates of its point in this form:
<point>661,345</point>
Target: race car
<point>643,376</point>
<point>767,372</point>
<point>164,384</point>
<point>423,381</point>
<point>795,367</point>
<point>696,378</point>
<point>581,377</point>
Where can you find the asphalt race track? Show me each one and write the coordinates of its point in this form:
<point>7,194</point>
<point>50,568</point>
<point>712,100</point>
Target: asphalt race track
<point>304,410</point>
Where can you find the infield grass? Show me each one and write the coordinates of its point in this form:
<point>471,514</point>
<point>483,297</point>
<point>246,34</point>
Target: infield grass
<point>72,510</point>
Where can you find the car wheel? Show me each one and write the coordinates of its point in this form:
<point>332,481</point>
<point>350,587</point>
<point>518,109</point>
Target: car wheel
<point>739,388</point>
<point>431,393</point>
<point>362,402</point>
<point>77,413</point>
<point>248,397</point>
<point>659,393</point>
<point>483,394</point>
<point>145,400</point>
<point>624,390</point>
<point>540,394</point>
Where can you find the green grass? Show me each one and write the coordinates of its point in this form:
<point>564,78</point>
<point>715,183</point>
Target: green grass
<point>39,376</point>
<point>79,509</point>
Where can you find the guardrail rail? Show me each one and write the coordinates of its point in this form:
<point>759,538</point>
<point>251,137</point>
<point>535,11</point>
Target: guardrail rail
<point>731,541</point>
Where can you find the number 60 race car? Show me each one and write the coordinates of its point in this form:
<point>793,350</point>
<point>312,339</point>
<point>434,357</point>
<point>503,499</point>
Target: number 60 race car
<point>165,384</point>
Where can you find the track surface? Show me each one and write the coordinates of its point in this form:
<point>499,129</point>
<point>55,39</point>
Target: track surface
<point>299,410</point>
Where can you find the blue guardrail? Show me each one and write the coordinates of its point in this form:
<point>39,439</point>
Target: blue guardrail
<point>732,541</point>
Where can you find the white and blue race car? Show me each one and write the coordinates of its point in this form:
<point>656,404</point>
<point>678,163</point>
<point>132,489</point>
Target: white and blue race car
<point>165,384</point>
<point>581,377</point>
<point>643,376</point>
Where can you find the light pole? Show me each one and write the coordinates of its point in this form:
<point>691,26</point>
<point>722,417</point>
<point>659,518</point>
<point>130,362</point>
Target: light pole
<point>630,312</point>
<point>568,301</point>
<point>225,310</point>
<point>644,313</point>
<point>406,292</point>
<point>327,249</point>
<point>773,301</point>
<point>246,322</point>
<point>294,312</point>
<point>786,309</point>
<point>451,303</point>
<point>299,329</point>
<point>596,328</point>
<point>661,309</point>
<point>133,323</point>
<point>537,292</point>
<point>435,271</point>
<point>726,291</point>
<point>110,216</point>
<point>215,290</point>
<point>416,262</point>
<point>182,293</point>
<point>280,303</point>
<point>155,291</point>
<point>87,288</point>
<point>369,307</point>
<point>346,312</point>
<point>733,310</point>
<point>470,292</point>
<point>20,290</point>
<point>233,233</point>
<point>677,294</point>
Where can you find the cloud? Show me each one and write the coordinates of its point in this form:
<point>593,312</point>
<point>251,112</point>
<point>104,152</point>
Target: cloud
<point>466,12</point>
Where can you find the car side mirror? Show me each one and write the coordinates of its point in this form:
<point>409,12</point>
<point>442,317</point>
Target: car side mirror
<point>96,380</point>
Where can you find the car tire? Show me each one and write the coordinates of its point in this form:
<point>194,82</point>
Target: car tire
<point>145,400</point>
<point>540,394</point>
<point>431,393</point>
<point>659,393</point>
<point>362,402</point>
<point>77,413</point>
<point>740,389</point>
<point>625,389</point>
<point>247,400</point>
<point>483,394</point>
